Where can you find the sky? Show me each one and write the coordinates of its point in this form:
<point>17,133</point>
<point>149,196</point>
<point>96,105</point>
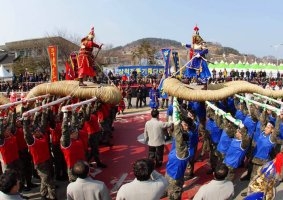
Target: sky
<point>249,26</point>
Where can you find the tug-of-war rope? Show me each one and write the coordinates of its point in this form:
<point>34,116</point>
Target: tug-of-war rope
<point>215,92</point>
<point>63,91</point>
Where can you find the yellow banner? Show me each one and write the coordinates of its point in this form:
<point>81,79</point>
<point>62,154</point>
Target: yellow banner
<point>53,58</point>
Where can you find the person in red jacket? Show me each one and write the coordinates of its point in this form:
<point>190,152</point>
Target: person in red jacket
<point>92,127</point>
<point>58,157</point>
<point>105,120</point>
<point>9,149</point>
<point>38,145</point>
<point>86,58</point>
<point>71,144</point>
<point>24,155</point>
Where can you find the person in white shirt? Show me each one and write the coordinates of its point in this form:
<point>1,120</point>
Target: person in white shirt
<point>86,188</point>
<point>217,189</point>
<point>148,184</point>
<point>154,137</point>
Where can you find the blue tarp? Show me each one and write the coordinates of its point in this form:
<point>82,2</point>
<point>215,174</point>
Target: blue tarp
<point>145,70</point>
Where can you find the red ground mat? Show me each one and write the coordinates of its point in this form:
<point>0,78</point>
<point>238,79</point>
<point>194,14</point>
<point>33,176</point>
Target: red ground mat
<point>127,149</point>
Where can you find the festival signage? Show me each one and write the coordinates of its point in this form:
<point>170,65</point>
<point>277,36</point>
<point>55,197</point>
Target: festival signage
<point>166,57</point>
<point>53,59</point>
<point>144,70</point>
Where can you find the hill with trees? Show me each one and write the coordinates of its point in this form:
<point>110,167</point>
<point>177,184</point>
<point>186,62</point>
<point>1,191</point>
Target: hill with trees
<point>148,50</point>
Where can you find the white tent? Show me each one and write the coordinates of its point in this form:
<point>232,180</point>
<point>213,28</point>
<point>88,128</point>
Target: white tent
<point>4,73</point>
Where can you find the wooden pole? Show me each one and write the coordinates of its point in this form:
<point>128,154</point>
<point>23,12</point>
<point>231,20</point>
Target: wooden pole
<point>228,116</point>
<point>8,105</point>
<point>268,98</point>
<point>72,107</point>
<point>265,106</point>
<point>40,108</point>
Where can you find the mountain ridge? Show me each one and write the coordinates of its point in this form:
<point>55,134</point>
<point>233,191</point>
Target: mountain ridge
<point>217,52</point>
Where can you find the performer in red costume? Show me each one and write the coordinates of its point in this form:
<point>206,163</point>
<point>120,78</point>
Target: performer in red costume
<point>86,58</point>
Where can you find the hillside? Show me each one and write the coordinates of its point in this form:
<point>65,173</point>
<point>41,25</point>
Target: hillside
<point>125,55</point>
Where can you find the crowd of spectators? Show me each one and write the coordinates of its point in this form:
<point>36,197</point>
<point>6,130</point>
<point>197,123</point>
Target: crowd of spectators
<point>26,81</point>
<point>23,82</point>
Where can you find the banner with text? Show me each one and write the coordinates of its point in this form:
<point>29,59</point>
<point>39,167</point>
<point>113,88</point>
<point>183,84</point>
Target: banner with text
<point>53,59</point>
<point>166,57</point>
<point>144,70</point>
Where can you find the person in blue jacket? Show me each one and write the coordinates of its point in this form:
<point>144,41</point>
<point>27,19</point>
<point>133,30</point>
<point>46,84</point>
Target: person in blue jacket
<point>178,158</point>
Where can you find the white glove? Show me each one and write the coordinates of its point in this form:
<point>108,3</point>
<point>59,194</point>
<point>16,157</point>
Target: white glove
<point>198,55</point>
<point>65,115</point>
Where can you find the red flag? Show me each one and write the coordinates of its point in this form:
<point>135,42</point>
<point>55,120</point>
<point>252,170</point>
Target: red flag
<point>53,58</point>
<point>70,74</point>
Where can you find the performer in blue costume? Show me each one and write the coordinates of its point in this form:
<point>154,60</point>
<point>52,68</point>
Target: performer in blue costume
<point>197,67</point>
<point>154,96</point>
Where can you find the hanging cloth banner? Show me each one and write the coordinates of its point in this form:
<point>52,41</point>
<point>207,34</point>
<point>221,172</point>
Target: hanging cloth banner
<point>176,61</point>
<point>166,57</point>
<point>53,59</point>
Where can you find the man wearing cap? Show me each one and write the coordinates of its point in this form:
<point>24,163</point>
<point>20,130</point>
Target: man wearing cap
<point>86,58</point>
<point>71,145</point>
<point>38,145</point>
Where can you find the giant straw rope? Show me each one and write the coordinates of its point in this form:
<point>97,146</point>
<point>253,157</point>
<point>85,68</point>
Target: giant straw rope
<point>105,93</point>
<point>215,92</point>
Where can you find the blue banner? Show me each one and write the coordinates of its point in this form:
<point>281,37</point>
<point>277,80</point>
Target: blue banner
<point>166,56</point>
<point>163,94</point>
<point>176,60</point>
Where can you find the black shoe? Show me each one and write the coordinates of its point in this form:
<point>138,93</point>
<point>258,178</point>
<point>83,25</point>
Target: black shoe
<point>200,158</point>
<point>245,178</point>
<point>26,189</point>
<point>158,165</point>
<point>101,165</point>
<point>167,138</point>
<point>244,194</point>
<point>209,171</point>
<point>35,175</point>
<point>61,178</point>
<point>32,185</point>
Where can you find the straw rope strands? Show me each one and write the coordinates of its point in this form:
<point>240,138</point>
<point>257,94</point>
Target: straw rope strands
<point>215,92</point>
<point>105,93</point>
